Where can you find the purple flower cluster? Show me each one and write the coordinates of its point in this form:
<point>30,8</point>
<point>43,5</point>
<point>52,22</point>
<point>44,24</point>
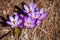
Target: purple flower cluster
<point>34,18</point>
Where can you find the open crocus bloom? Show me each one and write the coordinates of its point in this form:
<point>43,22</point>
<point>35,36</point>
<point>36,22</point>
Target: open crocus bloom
<point>29,23</point>
<point>31,8</point>
<point>43,14</point>
<point>14,22</point>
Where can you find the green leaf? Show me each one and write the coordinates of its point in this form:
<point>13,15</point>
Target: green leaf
<point>16,32</point>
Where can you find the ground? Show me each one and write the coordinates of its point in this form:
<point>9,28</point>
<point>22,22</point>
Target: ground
<point>48,30</point>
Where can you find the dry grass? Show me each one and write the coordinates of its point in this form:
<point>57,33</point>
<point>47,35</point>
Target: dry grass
<point>48,30</point>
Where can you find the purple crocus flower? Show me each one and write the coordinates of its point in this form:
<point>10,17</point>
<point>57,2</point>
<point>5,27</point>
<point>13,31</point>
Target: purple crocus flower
<point>14,22</point>
<point>41,18</point>
<point>32,11</point>
<point>29,23</point>
<point>32,8</point>
<point>43,14</point>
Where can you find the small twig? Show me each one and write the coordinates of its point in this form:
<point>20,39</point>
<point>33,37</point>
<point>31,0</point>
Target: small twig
<point>5,35</point>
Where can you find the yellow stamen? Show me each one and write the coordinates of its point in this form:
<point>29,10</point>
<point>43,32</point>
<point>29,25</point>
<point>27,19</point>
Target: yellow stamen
<point>31,10</point>
<point>29,23</point>
<point>14,22</point>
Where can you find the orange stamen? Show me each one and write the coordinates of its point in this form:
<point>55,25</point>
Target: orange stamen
<point>31,10</point>
<point>14,22</point>
<point>29,23</point>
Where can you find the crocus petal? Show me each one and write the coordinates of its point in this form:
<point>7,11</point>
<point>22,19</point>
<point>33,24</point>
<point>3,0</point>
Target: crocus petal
<point>26,11</point>
<point>38,22</point>
<point>29,19</point>
<point>33,15</point>
<point>37,15</point>
<point>29,14</point>
<point>41,10</point>
<point>26,8</point>
<point>35,6</point>
<point>26,25</point>
<point>16,18</point>
<point>19,22</point>
<point>20,26</point>
<point>31,5</point>
<point>29,25</point>
<point>12,26</point>
<point>25,19</point>
<point>8,22</point>
<point>42,17</point>
<point>32,26</point>
<point>11,18</point>
<point>21,15</point>
<point>36,9</point>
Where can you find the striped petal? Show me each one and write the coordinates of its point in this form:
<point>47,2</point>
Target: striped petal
<point>19,22</point>
<point>26,8</point>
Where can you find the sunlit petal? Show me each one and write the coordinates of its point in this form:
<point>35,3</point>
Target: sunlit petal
<point>8,22</point>
<point>11,18</point>
<point>19,21</point>
<point>26,8</point>
<point>41,10</point>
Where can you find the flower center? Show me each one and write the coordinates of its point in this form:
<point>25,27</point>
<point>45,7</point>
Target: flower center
<point>29,23</point>
<point>14,22</point>
<point>31,10</point>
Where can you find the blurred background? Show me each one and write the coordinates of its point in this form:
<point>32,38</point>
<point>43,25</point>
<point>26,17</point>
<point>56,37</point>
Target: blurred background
<point>50,26</point>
